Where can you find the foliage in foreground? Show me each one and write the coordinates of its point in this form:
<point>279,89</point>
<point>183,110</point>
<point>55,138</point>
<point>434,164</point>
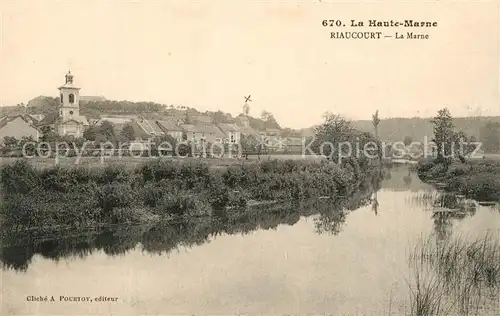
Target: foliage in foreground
<point>78,196</point>
<point>460,274</point>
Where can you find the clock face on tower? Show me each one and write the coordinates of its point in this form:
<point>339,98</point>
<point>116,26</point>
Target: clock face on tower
<point>70,112</point>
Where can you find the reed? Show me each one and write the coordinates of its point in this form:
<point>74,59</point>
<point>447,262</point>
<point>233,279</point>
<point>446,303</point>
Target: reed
<point>465,273</point>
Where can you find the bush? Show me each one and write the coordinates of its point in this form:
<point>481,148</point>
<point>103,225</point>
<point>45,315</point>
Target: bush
<point>81,196</point>
<point>19,177</point>
<point>485,187</point>
<point>115,195</point>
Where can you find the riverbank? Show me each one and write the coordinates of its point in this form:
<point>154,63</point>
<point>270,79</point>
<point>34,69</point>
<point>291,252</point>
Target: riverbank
<point>89,196</point>
<point>478,180</point>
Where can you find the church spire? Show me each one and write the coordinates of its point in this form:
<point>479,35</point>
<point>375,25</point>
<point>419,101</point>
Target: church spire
<point>69,77</point>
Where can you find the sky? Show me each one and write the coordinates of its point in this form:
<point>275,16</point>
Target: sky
<point>211,54</point>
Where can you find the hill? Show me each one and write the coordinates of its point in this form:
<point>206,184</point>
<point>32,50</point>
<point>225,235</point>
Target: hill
<point>395,129</point>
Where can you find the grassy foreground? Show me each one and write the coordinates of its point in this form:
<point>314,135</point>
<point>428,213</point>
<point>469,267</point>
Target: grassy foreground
<point>459,276</point>
<point>86,196</point>
<point>479,180</point>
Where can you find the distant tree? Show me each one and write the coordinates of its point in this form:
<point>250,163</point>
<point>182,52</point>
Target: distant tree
<point>375,122</point>
<point>334,130</point>
<point>443,133</point>
<point>127,132</point>
<point>269,120</point>
<point>407,140</point>
<point>490,136</point>
<point>107,130</point>
<point>90,133</point>
<point>43,105</point>
<point>50,136</point>
<point>248,144</point>
<point>10,142</point>
<point>463,145</point>
<point>219,117</point>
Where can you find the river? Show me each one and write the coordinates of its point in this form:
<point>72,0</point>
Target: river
<point>346,262</point>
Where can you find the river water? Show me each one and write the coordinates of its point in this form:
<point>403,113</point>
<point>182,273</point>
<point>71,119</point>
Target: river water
<point>349,262</point>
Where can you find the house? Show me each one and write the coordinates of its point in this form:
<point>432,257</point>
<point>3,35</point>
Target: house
<point>271,139</point>
<point>293,144</point>
<point>146,129</point>
<point>18,126</point>
<point>231,132</point>
<point>117,121</point>
<point>171,128</point>
<point>202,131</point>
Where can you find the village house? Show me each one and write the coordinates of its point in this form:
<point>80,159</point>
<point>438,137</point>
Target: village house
<point>18,126</point>
<point>231,132</point>
<point>171,128</point>
<point>118,121</point>
<point>202,131</point>
<point>271,138</point>
<point>146,129</point>
<point>293,144</point>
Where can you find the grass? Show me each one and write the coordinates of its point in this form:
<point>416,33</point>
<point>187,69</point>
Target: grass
<point>461,273</point>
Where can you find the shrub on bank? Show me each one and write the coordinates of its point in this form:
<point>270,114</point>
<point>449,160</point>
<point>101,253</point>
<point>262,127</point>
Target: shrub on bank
<point>479,180</point>
<point>115,194</point>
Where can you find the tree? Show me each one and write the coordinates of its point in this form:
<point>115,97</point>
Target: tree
<point>10,141</point>
<point>127,132</point>
<point>107,131</point>
<point>269,120</point>
<point>334,131</point>
<point>375,122</point>
<point>443,134</point>
<point>163,142</point>
<point>490,136</point>
<point>407,140</point>
<point>50,136</point>
<point>248,144</point>
<point>90,133</point>
<point>463,145</point>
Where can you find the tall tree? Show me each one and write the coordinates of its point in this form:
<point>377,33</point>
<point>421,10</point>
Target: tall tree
<point>375,122</point>
<point>128,132</point>
<point>443,133</point>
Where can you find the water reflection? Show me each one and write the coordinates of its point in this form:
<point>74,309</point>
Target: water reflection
<point>280,259</point>
<point>17,250</point>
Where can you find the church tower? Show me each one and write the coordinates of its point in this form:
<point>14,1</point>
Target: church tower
<point>69,121</point>
<point>70,99</point>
